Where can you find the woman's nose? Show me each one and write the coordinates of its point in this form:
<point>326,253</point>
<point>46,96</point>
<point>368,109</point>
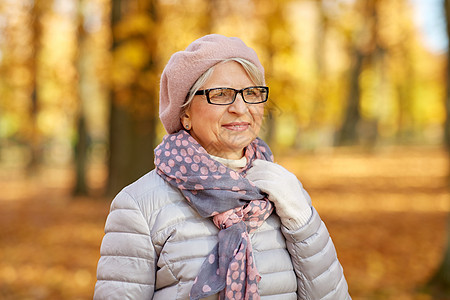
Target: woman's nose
<point>238,106</point>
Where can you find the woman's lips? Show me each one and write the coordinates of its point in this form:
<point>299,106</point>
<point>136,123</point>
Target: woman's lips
<point>237,126</point>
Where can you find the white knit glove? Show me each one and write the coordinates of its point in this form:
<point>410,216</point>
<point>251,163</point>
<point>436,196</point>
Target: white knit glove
<point>284,190</point>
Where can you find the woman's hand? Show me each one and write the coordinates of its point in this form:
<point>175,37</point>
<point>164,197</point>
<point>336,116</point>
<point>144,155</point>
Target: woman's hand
<point>284,190</point>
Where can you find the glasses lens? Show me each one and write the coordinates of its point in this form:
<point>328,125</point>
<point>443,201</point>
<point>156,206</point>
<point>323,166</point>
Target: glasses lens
<point>255,94</point>
<point>221,96</point>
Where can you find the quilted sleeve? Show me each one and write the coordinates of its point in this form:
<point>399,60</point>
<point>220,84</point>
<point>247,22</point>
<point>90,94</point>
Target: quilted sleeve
<point>319,273</point>
<point>126,269</point>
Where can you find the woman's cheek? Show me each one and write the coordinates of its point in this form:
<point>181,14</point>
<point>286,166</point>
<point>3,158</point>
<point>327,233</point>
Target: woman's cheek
<point>258,116</point>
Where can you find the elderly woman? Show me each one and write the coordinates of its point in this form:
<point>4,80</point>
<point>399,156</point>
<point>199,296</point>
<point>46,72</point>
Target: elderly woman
<point>217,218</point>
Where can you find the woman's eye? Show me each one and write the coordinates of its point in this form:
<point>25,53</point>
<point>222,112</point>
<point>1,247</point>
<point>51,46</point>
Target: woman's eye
<point>251,92</point>
<point>219,93</point>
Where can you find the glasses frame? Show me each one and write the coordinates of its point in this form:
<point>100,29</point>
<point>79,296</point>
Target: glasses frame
<point>241,91</point>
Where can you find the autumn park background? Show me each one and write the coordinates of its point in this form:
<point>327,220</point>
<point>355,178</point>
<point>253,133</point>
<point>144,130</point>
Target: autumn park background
<point>359,111</point>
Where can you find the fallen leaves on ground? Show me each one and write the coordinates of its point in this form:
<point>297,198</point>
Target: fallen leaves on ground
<point>386,212</point>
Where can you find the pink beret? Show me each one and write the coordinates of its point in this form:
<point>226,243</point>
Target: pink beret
<point>185,67</point>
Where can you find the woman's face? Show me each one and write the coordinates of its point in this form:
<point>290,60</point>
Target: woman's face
<point>225,130</point>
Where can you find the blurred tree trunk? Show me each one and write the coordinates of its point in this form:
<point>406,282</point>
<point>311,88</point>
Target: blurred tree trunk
<point>440,282</point>
<point>34,140</point>
<point>133,105</point>
<point>210,16</point>
<point>348,132</point>
<point>275,21</point>
<point>363,48</point>
<point>269,127</point>
<point>81,157</point>
<point>321,72</point>
<point>81,143</point>
<point>320,76</point>
<point>447,98</point>
<point>404,88</point>
<point>404,81</point>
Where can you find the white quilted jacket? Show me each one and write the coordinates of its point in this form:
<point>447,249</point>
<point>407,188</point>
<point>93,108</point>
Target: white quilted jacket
<point>155,244</point>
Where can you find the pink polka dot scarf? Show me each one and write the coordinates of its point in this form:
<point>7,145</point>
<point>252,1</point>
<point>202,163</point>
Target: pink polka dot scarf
<point>236,205</point>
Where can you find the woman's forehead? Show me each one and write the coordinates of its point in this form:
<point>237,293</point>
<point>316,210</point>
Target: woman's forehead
<point>229,74</point>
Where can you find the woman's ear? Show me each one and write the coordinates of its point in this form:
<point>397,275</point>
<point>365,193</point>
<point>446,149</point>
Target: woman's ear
<point>186,120</point>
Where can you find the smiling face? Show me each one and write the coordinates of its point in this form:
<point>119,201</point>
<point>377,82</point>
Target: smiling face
<point>224,130</point>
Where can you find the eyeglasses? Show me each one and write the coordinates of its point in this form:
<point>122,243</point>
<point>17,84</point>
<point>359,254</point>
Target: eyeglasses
<point>226,96</point>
